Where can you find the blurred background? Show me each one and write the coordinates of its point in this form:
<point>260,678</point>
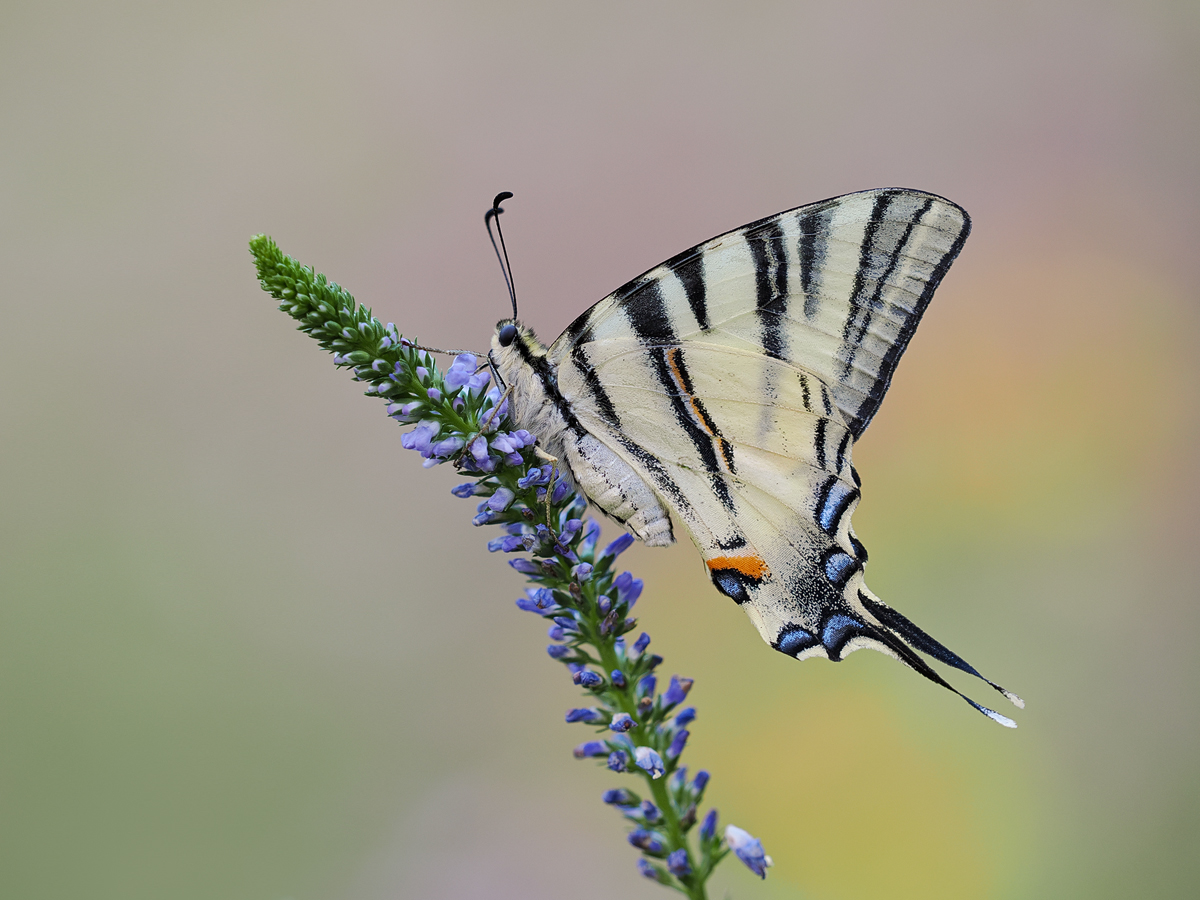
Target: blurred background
<point>251,650</point>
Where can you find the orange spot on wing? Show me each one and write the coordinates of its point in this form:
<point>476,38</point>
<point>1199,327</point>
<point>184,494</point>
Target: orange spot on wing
<point>750,566</point>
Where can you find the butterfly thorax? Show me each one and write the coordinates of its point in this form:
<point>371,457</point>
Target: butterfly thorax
<point>601,472</point>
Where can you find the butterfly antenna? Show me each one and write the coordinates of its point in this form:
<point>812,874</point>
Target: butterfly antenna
<point>491,215</point>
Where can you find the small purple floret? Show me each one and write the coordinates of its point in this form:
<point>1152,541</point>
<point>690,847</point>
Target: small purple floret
<point>647,870</point>
<point>591,748</point>
<point>677,744</point>
<point>628,588</point>
<point>708,827</point>
<point>588,679</point>
<point>701,782</point>
<point>622,722</point>
<point>501,500</point>
<point>620,797</point>
<point>646,686</point>
<point>640,645</point>
<point>678,691</point>
<point>648,760</point>
<point>677,863</point>
<point>749,850</point>
<point>619,546</point>
<point>618,761</point>
<point>618,679</point>
<point>685,717</point>
<point>645,840</point>
<point>590,714</point>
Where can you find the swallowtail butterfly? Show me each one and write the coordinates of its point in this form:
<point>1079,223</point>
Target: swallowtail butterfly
<point>728,386</point>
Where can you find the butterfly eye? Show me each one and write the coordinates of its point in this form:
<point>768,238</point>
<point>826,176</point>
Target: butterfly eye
<point>508,334</point>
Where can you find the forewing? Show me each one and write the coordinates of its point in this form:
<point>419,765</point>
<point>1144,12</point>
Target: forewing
<point>836,288</point>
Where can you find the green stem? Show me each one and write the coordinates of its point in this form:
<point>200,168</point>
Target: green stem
<point>658,786</point>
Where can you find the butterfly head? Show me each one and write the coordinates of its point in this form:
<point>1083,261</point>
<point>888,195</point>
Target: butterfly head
<point>512,342</point>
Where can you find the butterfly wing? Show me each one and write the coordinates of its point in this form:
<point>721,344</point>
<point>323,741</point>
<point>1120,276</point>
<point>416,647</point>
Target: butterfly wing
<point>837,287</point>
<point>746,368</point>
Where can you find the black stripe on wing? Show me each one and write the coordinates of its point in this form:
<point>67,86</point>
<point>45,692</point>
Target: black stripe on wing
<point>771,286</point>
<point>814,234</point>
<point>880,254</point>
<point>646,310</point>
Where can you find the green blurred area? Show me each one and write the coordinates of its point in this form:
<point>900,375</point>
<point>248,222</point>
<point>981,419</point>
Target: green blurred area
<point>250,649</point>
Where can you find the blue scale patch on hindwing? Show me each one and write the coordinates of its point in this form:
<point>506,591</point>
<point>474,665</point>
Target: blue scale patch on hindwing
<point>729,583</point>
<point>834,500</point>
<point>837,631</point>
<point>794,640</point>
<point>839,566</point>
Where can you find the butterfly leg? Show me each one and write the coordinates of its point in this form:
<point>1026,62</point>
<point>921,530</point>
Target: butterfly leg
<point>553,460</point>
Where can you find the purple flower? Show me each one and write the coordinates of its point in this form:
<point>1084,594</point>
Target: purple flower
<point>646,686</point>
<point>420,437</point>
<point>525,566</point>
<point>508,543</point>
<point>504,443</point>
<point>622,722</point>
<point>628,588</point>
<point>618,761</point>
<point>648,760</point>
<point>708,827</point>
<point>461,371</point>
<point>493,421</point>
<point>701,782</point>
<point>591,531</point>
<point>645,840</point>
<point>685,717</point>
<point>501,500</point>
<point>618,679</point>
<point>620,797</point>
<point>540,601</point>
<point>677,863</point>
<point>678,691</point>
<point>617,547</point>
<point>640,645</point>
<point>422,372</point>
<point>478,449</point>
<point>535,477</point>
<point>749,850</point>
<point>677,744</point>
<point>434,394</point>
<point>652,872</point>
<point>588,679</point>
<point>447,447</point>
<point>581,572</point>
<point>404,412</point>
<point>561,489</point>
<point>558,651</point>
<point>464,490</point>
<point>651,812</point>
<point>591,748</point>
<point>590,714</point>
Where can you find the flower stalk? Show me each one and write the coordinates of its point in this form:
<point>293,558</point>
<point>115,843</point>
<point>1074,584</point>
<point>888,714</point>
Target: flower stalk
<point>639,731</point>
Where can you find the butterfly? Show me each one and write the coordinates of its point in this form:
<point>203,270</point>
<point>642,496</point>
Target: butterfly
<point>728,387</point>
